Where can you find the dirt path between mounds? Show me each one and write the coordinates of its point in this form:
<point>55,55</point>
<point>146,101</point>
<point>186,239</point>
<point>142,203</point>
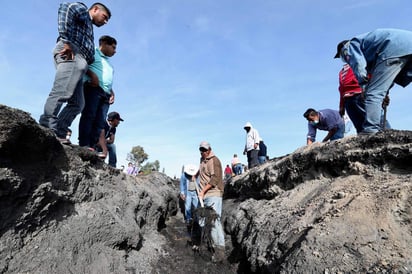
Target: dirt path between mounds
<point>179,256</point>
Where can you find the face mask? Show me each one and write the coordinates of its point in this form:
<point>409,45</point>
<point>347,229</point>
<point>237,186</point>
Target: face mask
<point>314,123</point>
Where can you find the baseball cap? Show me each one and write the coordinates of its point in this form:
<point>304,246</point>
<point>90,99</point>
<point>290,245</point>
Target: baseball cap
<point>114,115</point>
<point>204,145</point>
<point>339,48</point>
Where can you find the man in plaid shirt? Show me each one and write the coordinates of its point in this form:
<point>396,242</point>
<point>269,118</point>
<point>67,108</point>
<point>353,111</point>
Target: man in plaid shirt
<point>73,53</point>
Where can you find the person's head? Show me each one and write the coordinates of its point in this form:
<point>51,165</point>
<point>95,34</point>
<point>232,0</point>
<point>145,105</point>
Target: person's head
<point>100,14</point>
<point>205,149</point>
<point>312,116</point>
<point>191,170</point>
<point>107,45</point>
<point>114,118</point>
<point>247,126</point>
<point>339,49</point>
<point>235,155</point>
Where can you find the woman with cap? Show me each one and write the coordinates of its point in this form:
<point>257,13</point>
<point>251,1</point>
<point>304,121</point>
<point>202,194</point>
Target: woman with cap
<point>188,182</point>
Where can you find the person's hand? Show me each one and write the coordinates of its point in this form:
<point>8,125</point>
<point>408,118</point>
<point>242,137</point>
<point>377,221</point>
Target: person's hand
<point>182,196</point>
<point>385,101</point>
<point>67,52</point>
<point>201,195</point>
<point>111,99</point>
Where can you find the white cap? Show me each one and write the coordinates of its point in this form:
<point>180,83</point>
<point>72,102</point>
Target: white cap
<point>191,169</point>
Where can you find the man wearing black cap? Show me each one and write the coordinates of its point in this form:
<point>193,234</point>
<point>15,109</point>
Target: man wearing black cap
<point>378,59</point>
<point>106,140</point>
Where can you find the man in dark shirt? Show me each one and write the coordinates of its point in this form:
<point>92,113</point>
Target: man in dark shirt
<point>326,119</point>
<point>107,135</point>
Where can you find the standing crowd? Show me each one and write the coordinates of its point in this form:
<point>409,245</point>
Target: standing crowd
<point>83,81</point>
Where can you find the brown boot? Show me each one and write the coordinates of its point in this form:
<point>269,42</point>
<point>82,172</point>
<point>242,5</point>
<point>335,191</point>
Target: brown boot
<point>219,255</point>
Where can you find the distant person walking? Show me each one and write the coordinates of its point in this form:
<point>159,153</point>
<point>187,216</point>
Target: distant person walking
<point>325,119</point>
<point>252,145</point>
<point>236,165</point>
<point>211,183</point>
<point>228,172</point>
<point>98,92</point>
<point>379,59</point>
<point>73,53</point>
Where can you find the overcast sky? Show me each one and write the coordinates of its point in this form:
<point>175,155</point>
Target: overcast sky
<point>187,71</point>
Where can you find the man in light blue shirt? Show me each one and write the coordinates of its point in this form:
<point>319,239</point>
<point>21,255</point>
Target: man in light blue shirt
<point>98,93</point>
<point>378,59</point>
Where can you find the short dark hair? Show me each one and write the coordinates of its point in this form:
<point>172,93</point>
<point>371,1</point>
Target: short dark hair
<point>100,5</point>
<point>106,39</point>
<point>309,112</point>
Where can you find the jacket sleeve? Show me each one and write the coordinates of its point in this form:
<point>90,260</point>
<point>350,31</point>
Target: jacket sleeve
<point>183,184</point>
<point>356,59</point>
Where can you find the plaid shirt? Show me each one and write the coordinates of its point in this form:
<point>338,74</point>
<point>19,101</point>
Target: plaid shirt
<point>76,28</point>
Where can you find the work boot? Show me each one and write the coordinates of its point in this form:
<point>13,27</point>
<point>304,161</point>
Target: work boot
<point>219,255</point>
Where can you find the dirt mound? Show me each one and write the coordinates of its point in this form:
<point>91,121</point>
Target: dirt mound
<point>339,207</point>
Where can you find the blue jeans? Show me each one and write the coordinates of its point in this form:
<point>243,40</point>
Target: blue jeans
<point>93,115</point>
<point>237,169</point>
<point>355,107</point>
<point>339,133</point>
<point>112,155</point>
<point>67,88</point>
<point>262,159</point>
<point>383,77</point>
<point>191,199</point>
<point>217,234</point>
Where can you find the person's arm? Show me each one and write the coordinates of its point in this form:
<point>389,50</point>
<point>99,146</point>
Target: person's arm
<point>204,190</point>
<point>111,99</point>
<point>311,137</point>
<point>330,134</point>
<point>341,98</point>
<point>94,80</point>
<point>182,187</point>
<point>110,139</point>
<point>354,56</point>
<point>67,16</point>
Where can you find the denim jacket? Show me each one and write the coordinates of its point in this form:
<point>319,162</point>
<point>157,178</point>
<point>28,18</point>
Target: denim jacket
<point>184,183</point>
<point>364,51</point>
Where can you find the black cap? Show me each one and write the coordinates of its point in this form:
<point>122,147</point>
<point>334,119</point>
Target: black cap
<point>339,48</point>
<point>114,115</point>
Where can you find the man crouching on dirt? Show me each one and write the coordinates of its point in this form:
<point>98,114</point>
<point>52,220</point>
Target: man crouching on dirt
<point>211,182</point>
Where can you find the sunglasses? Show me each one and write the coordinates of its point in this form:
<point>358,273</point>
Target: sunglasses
<point>202,149</point>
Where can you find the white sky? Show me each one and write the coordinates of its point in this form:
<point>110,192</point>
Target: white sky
<point>187,70</point>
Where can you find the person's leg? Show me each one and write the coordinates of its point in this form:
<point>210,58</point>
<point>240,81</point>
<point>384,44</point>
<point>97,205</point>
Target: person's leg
<point>254,157</point>
<point>262,159</point>
<point>217,234</point>
<point>100,117</point>
<point>382,80</point>
<point>68,74</point>
<point>112,154</point>
<point>355,108</point>
<point>339,133</point>
<point>88,116</point>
